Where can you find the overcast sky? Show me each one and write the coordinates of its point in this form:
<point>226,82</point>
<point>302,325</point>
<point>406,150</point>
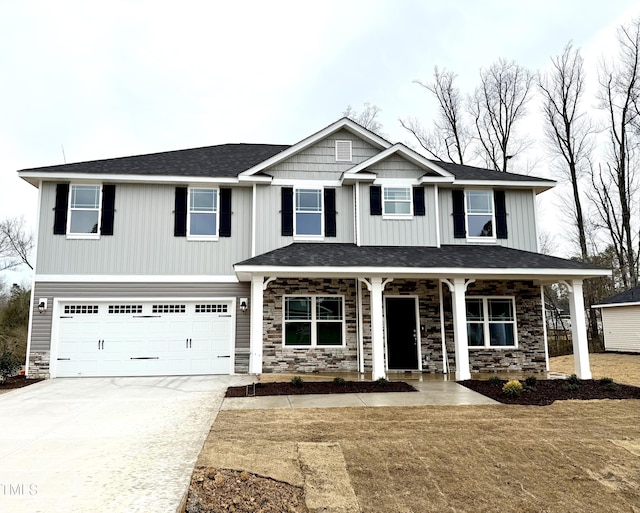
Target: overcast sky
<point>126,77</point>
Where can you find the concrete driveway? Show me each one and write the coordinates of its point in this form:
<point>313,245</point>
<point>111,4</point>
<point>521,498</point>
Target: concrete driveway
<point>104,444</point>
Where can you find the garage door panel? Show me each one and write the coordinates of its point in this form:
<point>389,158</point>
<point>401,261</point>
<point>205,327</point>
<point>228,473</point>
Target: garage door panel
<point>145,338</point>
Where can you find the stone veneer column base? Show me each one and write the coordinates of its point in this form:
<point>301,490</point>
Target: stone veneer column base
<point>38,364</point>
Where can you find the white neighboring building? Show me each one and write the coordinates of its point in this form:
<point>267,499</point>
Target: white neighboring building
<point>621,321</point>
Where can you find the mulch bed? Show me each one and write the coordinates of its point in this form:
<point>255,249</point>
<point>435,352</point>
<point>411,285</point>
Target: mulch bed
<point>319,387</point>
<point>17,382</point>
<point>546,392</point>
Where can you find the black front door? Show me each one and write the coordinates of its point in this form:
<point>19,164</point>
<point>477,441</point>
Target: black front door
<point>402,338</point>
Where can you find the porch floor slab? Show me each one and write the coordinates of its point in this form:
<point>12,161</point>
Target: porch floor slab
<point>429,393</point>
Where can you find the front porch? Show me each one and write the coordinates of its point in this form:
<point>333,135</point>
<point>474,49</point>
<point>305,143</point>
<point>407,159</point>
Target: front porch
<point>451,310</point>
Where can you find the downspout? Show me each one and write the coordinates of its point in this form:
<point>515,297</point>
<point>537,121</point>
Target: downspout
<point>437,217</point>
<point>356,201</point>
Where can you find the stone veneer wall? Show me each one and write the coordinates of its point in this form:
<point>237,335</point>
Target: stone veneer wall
<point>277,358</point>
<point>38,364</point>
<point>530,355</point>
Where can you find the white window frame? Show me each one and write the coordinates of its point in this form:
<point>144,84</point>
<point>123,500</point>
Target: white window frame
<point>216,211</point>
<point>467,214</point>
<point>70,210</point>
<point>392,215</point>
<point>313,321</point>
<point>303,236</point>
<point>486,322</point>
<point>344,143</point>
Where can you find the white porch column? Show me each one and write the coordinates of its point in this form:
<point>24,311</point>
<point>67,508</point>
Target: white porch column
<point>377,331</point>
<point>255,339</point>
<point>579,330</point>
<point>458,287</point>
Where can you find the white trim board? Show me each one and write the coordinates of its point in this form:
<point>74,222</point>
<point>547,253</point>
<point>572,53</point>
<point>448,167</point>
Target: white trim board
<point>135,278</point>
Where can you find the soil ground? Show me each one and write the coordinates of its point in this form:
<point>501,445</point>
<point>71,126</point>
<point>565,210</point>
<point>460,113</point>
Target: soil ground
<point>570,456</point>
<point>13,382</point>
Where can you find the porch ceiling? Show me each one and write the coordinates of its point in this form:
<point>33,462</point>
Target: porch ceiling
<point>315,260</point>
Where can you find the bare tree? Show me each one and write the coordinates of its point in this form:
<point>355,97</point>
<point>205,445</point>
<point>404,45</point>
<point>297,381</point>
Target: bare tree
<point>366,118</point>
<point>615,185</point>
<point>496,106</point>
<point>450,136</point>
<point>567,129</point>
<point>16,244</point>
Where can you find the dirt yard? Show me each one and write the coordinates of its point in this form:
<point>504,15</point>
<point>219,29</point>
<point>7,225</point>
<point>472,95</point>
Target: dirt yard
<point>624,368</point>
<point>570,456</point>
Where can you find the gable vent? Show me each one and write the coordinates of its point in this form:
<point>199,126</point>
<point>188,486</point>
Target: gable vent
<point>343,151</point>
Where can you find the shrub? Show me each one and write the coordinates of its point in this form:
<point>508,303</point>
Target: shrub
<point>9,363</point>
<point>513,387</point>
<point>572,382</point>
<point>338,380</point>
<point>296,381</point>
<point>531,382</point>
<point>382,382</point>
<point>608,383</point>
<point>495,381</point>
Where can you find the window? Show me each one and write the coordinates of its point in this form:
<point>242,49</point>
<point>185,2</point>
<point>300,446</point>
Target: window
<point>491,322</point>
<point>203,213</point>
<point>313,321</point>
<point>397,201</point>
<point>308,213</point>
<point>480,218</point>
<point>343,151</point>
<point>84,210</point>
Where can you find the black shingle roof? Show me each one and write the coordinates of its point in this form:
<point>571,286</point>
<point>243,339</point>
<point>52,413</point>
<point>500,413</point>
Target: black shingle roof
<point>628,296</point>
<point>225,160</point>
<point>453,256</point>
<point>478,173</point>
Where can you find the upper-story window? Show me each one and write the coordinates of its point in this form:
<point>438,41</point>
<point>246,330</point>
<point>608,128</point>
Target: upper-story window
<point>308,213</point>
<point>84,210</point>
<point>397,201</point>
<point>203,213</point>
<point>343,151</point>
<point>480,214</point>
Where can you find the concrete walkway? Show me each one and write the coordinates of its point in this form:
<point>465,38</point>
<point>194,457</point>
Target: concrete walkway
<point>429,393</point>
<point>104,444</point>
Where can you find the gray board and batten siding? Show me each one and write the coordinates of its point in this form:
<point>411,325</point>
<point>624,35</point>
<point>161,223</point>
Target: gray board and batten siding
<point>268,218</point>
<point>143,242</point>
<point>521,212</point>
<point>41,328</point>
<point>380,231</point>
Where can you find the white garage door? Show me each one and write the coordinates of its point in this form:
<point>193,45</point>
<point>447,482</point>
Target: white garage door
<point>144,338</point>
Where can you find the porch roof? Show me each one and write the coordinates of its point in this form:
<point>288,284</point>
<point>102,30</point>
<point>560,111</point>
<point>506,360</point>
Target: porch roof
<point>471,261</point>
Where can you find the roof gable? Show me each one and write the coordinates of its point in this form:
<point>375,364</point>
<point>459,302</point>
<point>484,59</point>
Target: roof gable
<point>341,124</point>
<point>628,297</point>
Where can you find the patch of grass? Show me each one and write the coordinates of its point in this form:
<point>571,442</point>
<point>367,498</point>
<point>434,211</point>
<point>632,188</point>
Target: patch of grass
<point>297,382</point>
<point>513,387</point>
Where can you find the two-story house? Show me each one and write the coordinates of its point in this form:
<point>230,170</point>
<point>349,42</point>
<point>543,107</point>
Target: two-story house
<point>343,252</point>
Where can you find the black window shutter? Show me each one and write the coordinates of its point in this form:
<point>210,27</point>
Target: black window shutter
<point>60,210</point>
<point>501,214</point>
<point>330,212</point>
<point>180,219</point>
<point>375,200</point>
<point>418,201</point>
<point>287,211</point>
<point>225,212</point>
<point>108,209</point>
<point>459,230</point>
